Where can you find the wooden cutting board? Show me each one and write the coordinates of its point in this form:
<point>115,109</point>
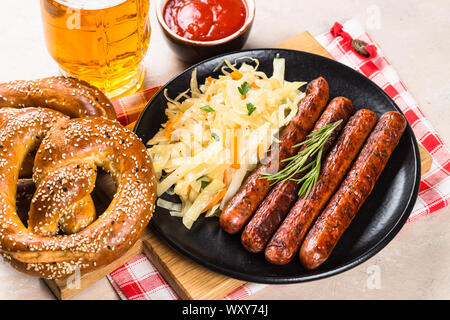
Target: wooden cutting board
<point>188,279</point>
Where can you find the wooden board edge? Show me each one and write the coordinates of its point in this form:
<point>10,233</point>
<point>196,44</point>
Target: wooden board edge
<point>425,160</point>
<point>299,41</point>
<point>152,248</point>
<point>165,272</point>
<point>61,288</point>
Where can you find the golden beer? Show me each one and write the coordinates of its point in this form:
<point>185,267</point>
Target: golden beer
<point>100,41</point>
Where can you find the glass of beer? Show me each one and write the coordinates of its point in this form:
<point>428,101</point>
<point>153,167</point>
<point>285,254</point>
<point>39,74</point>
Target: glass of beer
<point>100,41</point>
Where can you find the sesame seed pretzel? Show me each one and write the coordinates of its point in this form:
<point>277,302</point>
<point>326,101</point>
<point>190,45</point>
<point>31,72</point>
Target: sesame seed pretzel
<point>70,96</point>
<point>64,233</point>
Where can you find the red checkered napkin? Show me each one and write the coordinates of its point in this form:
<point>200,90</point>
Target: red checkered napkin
<point>139,280</point>
<point>128,108</point>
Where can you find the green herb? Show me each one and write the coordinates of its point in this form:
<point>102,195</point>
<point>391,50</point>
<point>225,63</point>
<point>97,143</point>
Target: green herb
<point>207,108</point>
<point>214,94</point>
<point>215,136</point>
<point>243,89</point>
<point>201,177</point>
<point>205,183</point>
<point>308,160</point>
<point>250,108</point>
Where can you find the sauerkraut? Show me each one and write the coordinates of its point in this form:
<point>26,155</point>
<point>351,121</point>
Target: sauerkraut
<point>218,131</point>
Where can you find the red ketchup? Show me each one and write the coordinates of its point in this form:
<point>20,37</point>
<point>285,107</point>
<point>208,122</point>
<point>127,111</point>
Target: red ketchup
<point>205,20</point>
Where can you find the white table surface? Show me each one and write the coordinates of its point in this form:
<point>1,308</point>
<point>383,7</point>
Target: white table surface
<point>414,36</point>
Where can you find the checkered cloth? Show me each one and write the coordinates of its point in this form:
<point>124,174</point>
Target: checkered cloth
<point>138,278</point>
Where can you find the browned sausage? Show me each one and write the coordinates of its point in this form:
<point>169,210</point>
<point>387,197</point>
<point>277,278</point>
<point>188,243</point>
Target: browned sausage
<point>244,203</point>
<point>287,239</point>
<point>280,199</point>
<point>334,220</point>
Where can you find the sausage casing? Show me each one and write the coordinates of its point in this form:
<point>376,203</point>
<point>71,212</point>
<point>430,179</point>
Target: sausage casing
<point>354,190</point>
<point>280,199</point>
<point>241,207</point>
<point>287,239</point>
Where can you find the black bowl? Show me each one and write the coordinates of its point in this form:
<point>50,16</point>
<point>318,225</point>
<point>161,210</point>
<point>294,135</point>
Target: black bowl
<point>378,221</point>
<point>192,51</point>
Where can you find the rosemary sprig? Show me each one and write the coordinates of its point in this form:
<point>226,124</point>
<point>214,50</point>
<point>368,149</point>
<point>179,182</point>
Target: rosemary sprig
<point>307,160</point>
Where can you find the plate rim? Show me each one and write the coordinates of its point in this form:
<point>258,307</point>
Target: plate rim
<point>373,250</point>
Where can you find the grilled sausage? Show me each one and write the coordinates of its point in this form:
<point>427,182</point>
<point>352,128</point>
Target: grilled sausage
<point>244,203</point>
<point>287,239</point>
<point>281,198</point>
<point>337,216</point>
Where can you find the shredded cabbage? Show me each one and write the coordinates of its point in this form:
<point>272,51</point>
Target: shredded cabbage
<point>217,132</point>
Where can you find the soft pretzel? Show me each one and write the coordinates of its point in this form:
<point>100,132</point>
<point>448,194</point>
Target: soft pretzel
<point>63,232</point>
<point>70,96</point>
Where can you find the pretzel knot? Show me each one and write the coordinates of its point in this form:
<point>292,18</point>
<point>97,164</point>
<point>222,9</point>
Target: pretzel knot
<point>64,232</point>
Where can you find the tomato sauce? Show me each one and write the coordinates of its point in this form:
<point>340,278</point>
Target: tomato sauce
<point>205,20</point>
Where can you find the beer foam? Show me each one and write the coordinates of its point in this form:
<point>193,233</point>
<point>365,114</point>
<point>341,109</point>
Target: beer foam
<point>90,4</point>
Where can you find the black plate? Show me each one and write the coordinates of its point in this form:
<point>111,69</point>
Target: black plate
<point>378,221</point>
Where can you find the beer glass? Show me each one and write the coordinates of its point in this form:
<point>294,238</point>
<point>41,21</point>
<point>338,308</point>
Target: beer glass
<point>100,41</point>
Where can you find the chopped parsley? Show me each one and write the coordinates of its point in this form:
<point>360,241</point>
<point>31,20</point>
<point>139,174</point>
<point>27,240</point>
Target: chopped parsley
<point>207,108</point>
<point>243,89</point>
<point>250,108</point>
<point>205,183</point>
<point>215,136</point>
